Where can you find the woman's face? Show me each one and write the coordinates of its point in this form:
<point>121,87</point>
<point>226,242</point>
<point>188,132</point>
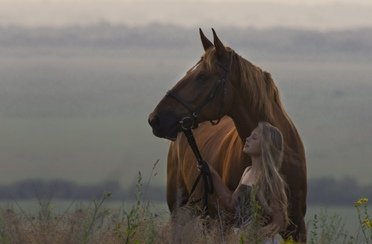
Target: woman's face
<point>252,144</point>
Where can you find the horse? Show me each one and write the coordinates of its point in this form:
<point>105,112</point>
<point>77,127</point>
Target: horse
<point>234,95</point>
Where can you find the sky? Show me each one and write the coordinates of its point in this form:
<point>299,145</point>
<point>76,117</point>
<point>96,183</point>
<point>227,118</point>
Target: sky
<point>314,14</point>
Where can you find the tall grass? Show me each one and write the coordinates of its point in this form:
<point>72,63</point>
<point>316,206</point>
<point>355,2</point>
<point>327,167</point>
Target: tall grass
<point>142,223</point>
<point>330,228</point>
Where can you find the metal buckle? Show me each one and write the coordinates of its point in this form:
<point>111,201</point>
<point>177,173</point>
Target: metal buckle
<point>187,123</point>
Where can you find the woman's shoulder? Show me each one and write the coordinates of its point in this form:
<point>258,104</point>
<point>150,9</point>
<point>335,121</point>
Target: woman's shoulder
<point>247,178</point>
<point>247,169</point>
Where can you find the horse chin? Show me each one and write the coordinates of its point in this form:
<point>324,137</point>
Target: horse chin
<point>170,138</point>
<point>170,135</point>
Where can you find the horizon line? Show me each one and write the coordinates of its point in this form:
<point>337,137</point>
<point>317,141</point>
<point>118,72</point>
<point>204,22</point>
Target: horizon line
<point>180,26</point>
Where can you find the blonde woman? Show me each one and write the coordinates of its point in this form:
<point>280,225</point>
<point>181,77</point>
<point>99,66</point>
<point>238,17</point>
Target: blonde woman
<point>260,182</point>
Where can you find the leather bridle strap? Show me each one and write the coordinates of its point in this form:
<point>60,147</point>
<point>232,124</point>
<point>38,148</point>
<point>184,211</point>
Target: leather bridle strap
<point>180,100</point>
<point>195,111</point>
<point>204,171</point>
<point>211,95</point>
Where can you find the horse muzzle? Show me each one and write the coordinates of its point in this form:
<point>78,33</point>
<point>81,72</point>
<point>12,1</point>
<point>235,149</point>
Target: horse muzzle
<point>164,126</point>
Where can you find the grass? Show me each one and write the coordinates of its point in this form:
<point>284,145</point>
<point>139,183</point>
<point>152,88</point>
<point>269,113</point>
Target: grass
<point>141,223</point>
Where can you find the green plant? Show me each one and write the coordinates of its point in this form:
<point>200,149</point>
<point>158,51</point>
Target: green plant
<point>139,217</point>
<point>328,228</point>
<point>250,232</point>
<point>365,221</point>
<point>96,215</point>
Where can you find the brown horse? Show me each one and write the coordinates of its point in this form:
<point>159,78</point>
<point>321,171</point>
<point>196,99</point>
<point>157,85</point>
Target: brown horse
<point>223,83</point>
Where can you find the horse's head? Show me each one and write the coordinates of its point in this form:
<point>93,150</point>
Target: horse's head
<point>203,94</point>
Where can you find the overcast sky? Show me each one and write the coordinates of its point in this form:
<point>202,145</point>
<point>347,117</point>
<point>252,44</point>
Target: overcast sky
<point>314,14</point>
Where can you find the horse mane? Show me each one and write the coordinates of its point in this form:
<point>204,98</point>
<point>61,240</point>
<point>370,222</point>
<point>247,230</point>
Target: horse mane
<point>258,86</point>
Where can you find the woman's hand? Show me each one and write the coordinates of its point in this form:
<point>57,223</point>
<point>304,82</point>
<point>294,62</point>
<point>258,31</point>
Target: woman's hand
<point>223,192</point>
<point>204,168</point>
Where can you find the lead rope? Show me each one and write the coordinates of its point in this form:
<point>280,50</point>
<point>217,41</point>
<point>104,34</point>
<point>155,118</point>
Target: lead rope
<point>189,123</point>
<point>201,164</point>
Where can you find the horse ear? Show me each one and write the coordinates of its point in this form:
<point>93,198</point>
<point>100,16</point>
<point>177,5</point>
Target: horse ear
<point>220,48</point>
<point>206,43</point>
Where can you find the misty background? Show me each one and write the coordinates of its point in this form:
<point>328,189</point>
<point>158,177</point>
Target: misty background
<point>75,100</point>
<point>75,92</point>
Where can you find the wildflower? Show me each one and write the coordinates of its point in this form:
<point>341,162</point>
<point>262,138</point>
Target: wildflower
<point>361,202</point>
<point>368,223</point>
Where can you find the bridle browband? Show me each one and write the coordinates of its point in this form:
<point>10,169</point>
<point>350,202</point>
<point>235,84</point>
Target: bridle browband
<point>190,122</point>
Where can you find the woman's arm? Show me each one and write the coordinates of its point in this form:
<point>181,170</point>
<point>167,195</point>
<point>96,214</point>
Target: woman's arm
<point>227,197</point>
<point>223,192</point>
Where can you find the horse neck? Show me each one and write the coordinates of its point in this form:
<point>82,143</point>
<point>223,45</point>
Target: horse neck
<point>246,119</point>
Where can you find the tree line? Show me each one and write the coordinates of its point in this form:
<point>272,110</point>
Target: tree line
<point>321,191</point>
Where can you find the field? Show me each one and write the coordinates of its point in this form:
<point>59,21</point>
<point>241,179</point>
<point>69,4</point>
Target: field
<point>60,206</point>
<point>102,221</point>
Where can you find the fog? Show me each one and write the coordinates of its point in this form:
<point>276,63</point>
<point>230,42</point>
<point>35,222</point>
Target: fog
<point>315,14</point>
<point>75,100</point>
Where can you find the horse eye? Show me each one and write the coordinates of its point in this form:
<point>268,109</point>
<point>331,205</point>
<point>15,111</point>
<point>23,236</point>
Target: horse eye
<point>201,77</point>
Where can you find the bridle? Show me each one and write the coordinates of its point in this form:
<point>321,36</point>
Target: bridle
<point>190,122</point>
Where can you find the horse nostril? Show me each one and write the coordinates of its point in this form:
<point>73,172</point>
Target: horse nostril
<point>154,121</point>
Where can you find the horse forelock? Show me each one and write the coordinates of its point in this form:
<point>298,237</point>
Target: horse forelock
<point>211,61</point>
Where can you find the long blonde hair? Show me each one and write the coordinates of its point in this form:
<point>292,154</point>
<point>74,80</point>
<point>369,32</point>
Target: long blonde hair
<point>271,187</point>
